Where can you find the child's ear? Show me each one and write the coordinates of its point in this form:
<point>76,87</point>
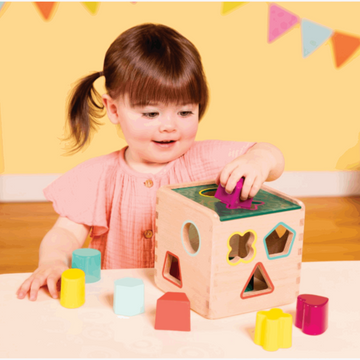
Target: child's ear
<point>111,108</point>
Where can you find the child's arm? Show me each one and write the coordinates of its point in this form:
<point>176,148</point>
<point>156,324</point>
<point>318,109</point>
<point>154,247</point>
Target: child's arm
<point>54,256</point>
<point>262,162</point>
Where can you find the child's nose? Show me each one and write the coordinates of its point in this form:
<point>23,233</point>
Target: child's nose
<point>168,123</point>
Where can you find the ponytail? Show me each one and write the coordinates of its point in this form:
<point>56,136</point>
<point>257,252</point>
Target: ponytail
<point>84,109</point>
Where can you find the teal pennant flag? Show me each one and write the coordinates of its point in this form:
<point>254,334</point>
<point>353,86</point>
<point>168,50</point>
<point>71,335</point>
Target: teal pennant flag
<point>313,35</point>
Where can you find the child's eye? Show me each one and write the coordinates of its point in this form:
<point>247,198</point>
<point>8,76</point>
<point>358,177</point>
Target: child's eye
<point>150,115</point>
<point>186,113</point>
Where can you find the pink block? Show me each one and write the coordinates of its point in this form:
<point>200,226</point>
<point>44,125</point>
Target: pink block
<point>312,314</point>
<point>233,200</point>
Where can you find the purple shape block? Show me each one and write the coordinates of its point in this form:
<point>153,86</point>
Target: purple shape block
<point>232,200</point>
<point>312,314</point>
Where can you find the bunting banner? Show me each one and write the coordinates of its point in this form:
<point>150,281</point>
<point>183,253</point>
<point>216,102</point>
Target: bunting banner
<point>92,6</point>
<point>3,7</point>
<point>230,6</point>
<point>46,9</point>
<point>345,47</point>
<point>313,35</point>
<point>280,21</point>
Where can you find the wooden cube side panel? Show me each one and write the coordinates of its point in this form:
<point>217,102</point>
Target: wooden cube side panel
<point>173,211</point>
<point>229,281</point>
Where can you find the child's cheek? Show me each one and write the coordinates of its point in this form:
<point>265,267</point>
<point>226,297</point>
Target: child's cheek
<point>190,129</point>
<point>142,128</point>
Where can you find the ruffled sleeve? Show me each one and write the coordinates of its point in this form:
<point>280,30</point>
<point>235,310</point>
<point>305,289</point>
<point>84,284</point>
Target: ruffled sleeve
<point>207,158</point>
<point>84,193</point>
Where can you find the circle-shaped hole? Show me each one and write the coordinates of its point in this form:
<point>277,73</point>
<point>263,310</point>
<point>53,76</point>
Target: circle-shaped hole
<point>210,192</point>
<point>191,238</point>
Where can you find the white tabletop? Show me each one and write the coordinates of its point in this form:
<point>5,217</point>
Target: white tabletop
<point>45,329</point>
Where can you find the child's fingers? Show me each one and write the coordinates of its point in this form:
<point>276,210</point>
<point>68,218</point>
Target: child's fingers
<point>24,288</point>
<point>234,178</point>
<point>217,180</point>
<point>226,173</point>
<point>52,286</point>
<point>255,188</point>
<point>35,286</point>
<point>245,191</point>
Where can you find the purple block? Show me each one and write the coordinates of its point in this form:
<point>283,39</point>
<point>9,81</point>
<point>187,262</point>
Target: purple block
<point>312,314</point>
<point>232,200</point>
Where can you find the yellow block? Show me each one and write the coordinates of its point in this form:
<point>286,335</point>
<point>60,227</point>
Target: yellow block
<point>273,329</point>
<point>72,293</point>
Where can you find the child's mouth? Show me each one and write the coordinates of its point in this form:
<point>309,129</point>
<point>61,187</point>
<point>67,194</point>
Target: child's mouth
<point>165,144</point>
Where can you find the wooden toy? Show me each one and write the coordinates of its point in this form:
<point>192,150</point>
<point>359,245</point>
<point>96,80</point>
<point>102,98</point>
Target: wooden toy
<point>72,293</point>
<point>88,260</point>
<point>228,261</point>
<point>273,330</point>
<point>173,312</point>
<point>129,296</point>
<point>312,314</point>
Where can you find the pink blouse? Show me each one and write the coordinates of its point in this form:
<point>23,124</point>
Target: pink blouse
<point>119,202</point>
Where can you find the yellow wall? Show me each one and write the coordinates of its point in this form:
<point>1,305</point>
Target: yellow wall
<point>259,91</point>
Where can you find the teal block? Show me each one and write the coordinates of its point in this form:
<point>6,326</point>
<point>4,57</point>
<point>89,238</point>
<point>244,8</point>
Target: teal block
<point>129,296</point>
<point>88,260</point>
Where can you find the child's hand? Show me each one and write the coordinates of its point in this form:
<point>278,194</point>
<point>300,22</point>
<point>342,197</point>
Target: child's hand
<point>262,162</point>
<point>254,171</point>
<point>46,274</point>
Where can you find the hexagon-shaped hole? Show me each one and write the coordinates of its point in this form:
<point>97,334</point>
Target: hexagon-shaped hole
<point>279,241</point>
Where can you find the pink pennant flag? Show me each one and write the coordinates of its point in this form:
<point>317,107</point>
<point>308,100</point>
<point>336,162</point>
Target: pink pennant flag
<point>280,21</point>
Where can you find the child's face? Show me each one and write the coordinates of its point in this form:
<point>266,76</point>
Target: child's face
<point>157,133</point>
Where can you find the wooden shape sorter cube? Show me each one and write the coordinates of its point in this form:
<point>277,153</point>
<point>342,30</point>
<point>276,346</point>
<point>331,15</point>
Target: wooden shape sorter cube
<point>228,261</point>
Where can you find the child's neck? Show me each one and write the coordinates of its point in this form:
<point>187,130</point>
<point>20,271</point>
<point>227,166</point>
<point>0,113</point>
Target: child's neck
<point>142,167</point>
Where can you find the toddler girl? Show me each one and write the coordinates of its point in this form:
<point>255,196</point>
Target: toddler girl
<point>157,93</point>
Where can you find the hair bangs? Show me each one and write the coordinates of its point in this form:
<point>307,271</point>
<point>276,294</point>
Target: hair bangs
<point>159,88</point>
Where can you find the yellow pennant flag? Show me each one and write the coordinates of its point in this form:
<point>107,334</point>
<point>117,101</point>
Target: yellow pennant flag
<point>92,6</point>
<point>230,6</point>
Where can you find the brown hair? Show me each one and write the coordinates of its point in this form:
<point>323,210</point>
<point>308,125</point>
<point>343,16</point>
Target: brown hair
<point>149,63</point>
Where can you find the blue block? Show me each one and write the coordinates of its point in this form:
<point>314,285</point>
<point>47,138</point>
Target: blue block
<point>88,260</point>
<point>129,296</point>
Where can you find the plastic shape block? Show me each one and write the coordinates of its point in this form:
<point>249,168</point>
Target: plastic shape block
<point>173,312</point>
<point>72,294</point>
<point>273,329</point>
<point>129,296</point>
<point>232,200</point>
<point>88,260</point>
<point>312,314</point>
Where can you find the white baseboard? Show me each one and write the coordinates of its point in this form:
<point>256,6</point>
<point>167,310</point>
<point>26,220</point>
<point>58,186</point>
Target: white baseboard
<point>29,188</point>
<point>24,188</point>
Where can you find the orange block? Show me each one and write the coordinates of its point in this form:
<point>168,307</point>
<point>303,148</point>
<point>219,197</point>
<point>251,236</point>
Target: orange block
<point>173,312</point>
